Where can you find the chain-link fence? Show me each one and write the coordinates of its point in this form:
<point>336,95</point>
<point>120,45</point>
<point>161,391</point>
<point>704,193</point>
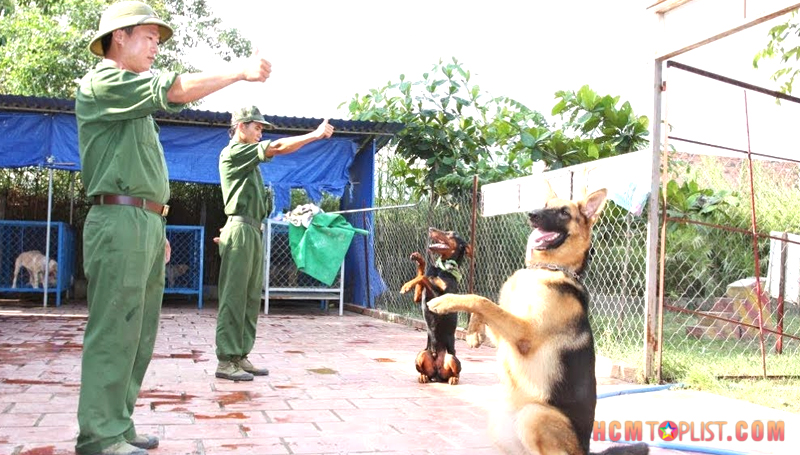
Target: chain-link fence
<point>615,277</point>
<point>714,306</point>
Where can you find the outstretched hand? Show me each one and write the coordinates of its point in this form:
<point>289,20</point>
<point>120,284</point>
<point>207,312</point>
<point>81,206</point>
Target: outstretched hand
<point>257,69</point>
<point>324,130</point>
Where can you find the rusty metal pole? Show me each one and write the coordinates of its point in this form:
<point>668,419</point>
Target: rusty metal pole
<point>754,232</point>
<point>473,234</point>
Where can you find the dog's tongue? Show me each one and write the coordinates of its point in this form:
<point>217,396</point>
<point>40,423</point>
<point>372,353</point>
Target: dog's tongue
<point>541,237</point>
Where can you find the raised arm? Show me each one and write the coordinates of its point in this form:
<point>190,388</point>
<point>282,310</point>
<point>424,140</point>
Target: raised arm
<point>286,145</point>
<point>194,86</point>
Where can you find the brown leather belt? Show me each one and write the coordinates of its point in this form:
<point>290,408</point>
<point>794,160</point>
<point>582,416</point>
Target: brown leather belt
<point>117,199</point>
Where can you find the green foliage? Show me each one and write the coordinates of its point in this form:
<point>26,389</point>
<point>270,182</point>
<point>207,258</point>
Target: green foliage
<point>784,44</point>
<point>450,130</point>
<point>454,131</point>
<point>594,127</point>
<point>44,44</point>
<point>688,199</point>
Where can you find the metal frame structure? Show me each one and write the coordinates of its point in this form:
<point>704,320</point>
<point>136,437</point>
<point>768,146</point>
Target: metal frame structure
<point>676,38</point>
<point>281,291</point>
<point>189,253</point>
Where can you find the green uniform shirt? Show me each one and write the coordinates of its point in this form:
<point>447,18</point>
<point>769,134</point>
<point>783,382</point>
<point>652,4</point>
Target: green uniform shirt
<point>243,189</point>
<point>117,136</point>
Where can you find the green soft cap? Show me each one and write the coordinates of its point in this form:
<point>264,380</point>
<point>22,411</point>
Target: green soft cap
<point>248,114</point>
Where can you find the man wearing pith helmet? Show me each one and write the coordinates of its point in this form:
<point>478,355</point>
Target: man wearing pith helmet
<point>124,241</point>
<point>241,269</point>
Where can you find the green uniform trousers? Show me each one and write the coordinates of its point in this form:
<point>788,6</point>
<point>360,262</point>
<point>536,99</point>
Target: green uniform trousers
<point>241,278</point>
<point>123,259</point>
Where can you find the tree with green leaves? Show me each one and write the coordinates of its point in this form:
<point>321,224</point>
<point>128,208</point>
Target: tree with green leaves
<point>44,43</point>
<point>784,44</point>
<point>449,126</point>
<point>454,131</point>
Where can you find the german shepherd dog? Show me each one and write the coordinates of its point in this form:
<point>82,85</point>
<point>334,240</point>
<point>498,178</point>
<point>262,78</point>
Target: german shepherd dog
<point>438,361</point>
<point>545,347</point>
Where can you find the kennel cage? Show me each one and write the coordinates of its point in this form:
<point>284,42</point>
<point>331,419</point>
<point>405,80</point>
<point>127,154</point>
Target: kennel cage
<point>283,280</point>
<point>184,272</point>
<point>17,237</point>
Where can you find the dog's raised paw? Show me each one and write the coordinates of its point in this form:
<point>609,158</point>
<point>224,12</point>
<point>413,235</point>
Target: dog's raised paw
<point>443,304</point>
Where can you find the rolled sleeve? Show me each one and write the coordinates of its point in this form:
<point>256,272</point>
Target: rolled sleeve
<point>262,151</point>
<point>159,87</point>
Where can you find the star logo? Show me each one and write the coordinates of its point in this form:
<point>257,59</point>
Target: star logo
<point>668,431</point>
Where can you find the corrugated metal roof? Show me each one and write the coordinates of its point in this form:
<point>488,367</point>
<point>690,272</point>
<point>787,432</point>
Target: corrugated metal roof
<point>283,125</point>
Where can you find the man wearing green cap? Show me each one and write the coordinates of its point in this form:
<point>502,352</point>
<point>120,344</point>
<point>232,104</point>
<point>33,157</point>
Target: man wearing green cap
<point>124,242</point>
<point>241,274</point>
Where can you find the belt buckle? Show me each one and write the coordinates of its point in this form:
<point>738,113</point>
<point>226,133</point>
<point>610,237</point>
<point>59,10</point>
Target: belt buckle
<point>165,210</point>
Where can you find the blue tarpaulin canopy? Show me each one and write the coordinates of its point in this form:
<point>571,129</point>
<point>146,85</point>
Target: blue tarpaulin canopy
<point>43,132</point>
<point>192,154</point>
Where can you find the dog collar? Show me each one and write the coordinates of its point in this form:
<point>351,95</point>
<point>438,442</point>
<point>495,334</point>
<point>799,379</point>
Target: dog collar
<point>556,268</point>
<point>450,266</point>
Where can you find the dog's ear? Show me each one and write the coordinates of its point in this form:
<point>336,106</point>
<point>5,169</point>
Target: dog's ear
<point>593,205</point>
<point>468,250</point>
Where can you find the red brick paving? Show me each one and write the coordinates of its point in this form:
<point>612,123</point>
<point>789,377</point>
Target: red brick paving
<point>337,385</point>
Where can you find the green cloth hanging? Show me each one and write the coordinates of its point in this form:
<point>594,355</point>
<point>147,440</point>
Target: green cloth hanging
<point>319,250</point>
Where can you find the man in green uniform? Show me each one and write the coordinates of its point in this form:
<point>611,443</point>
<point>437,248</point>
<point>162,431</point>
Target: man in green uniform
<point>124,242</point>
<point>241,273</point>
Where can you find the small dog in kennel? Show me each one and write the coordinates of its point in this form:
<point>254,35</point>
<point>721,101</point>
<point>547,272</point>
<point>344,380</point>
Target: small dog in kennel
<point>37,265</point>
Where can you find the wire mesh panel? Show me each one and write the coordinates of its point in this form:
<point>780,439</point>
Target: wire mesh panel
<point>615,277</point>
<point>282,278</point>
<point>23,264</point>
<point>184,272</point>
<point>722,287</point>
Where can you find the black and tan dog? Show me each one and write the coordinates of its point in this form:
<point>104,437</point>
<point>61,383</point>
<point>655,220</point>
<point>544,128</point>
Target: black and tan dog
<point>438,361</point>
<point>545,348</point>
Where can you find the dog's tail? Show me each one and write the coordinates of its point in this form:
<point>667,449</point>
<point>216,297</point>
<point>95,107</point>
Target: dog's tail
<point>631,449</point>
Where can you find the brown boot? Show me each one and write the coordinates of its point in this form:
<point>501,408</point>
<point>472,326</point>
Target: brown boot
<point>229,369</point>
<point>245,364</point>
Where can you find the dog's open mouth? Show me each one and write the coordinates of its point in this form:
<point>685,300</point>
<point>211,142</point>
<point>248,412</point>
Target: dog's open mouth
<point>438,246</point>
<point>545,240</point>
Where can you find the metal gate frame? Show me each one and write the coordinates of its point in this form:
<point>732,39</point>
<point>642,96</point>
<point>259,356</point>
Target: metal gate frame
<point>282,291</point>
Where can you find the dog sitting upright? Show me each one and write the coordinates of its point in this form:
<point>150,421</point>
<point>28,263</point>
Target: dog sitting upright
<point>438,361</point>
<point>37,265</point>
<point>545,347</point>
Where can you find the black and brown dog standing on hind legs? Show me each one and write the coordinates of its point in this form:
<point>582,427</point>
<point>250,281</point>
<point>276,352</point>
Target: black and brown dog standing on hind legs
<point>438,361</point>
<point>545,347</point>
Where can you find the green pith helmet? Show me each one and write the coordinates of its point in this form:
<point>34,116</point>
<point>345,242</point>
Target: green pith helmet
<point>248,114</point>
<point>125,14</point>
